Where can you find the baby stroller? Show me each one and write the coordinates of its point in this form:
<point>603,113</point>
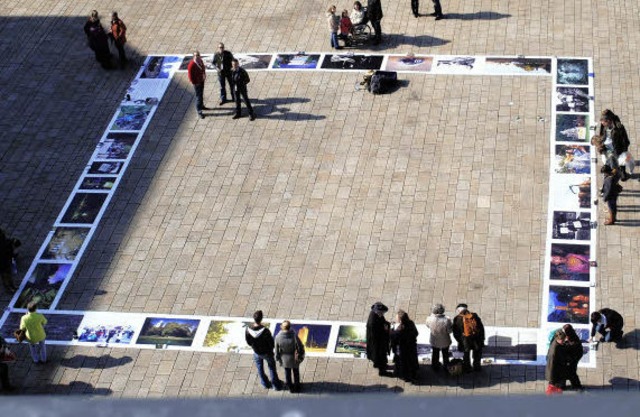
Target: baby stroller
<point>360,33</point>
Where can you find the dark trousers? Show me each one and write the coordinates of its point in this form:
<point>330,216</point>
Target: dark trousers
<point>612,204</point>
<point>415,4</point>
<point>121,55</point>
<point>241,93</point>
<point>4,376</point>
<point>296,378</point>
<point>435,357</point>
<point>199,97</point>
<point>437,7</point>
<point>377,30</point>
<point>223,78</point>
<point>477,358</point>
<point>7,280</point>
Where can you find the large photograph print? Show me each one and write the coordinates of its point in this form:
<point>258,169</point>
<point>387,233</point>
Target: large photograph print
<point>573,72</point>
<point>569,262</point>
<point>296,61</point>
<point>131,117</point>
<point>253,61</point>
<point>103,328</point>
<point>160,67</point>
<point>84,208</point>
<point>65,243</point>
<point>568,304</point>
<point>572,128</point>
<point>168,331</point>
<point>410,62</point>
<point>571,225</point>
<point>314,337</point>
<point>352,339</point>
<point>116,145</point>
<point>573,159</point>
<point>514,66</point>
<point>352,62</point>
<point>43,285</point>
<point>571,191</point>
<point>229,336</point>
<point>59,327</point>
<point>572,99</point>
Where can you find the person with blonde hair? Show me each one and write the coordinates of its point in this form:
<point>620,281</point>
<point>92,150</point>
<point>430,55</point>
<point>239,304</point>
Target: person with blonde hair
<point>290,354</point>
<point>333,23</point>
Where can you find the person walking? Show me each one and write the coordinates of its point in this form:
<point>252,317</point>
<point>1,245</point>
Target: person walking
<point>374,12</point>
<point>118,35</point>
<point>574,353</point>
<point>378,338</point>
<point>197,73</point>
<point>404,344</point>
<point>259,338</point>
<point>7,253</point>
<point>440,327</point>
<point>468,331</point>
<point>240,80</point>
<point>33,323</point>
<point>610,191</point>
<point>437,10</point>
<point>290,354</point>
<point>608,323</point>
<point>222,61</point>
<point>98,40</point>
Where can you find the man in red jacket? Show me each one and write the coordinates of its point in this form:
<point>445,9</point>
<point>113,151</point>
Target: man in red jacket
<point>119,37</point>
<point>197,75</point>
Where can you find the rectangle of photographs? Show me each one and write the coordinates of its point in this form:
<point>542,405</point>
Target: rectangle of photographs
<point>409,63</point>
<point>166,331</point>
<point>352,340</point>
<point>105,168</point>
<point>59,327</point>
<point>65,243</point>
<point>571,225</point>
<point>572,127</point>
<point>352,62</point>
<point>146,91</point>
<point>229,335</point>
<point>109,328</point>
<point>98,183</point>
<point>42,285</point>
<point>296,61</point>
<point>517,66</point>
<point>572,71</point>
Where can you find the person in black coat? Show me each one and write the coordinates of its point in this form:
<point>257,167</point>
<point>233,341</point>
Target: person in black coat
<point>98,40</point>
<point>378,338</point>
<point>556,370</point>
<point>222,61</point>
<point>574,353</point>
<point>616,139</point>
<point>404,344</point>
<point>374,13</point>
<point>261,341</point>
<point>240,80</point>
<point>608,323</point>
<point>472,342</point>
<point>610,191</point>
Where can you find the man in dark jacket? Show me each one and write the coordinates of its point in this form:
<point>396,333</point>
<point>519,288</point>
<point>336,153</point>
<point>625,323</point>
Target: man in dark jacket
<point>378,347</point>
<point>240,80</point>
<point>615,139</point>
<point>610,191</point>
<point>608,323</point>
<point>468,331</point>
<point>260,339</point>
<point>374,13</point>
<point>222,61</point>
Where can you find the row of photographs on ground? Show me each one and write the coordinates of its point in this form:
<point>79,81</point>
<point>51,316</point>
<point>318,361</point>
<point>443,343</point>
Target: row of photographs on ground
<point>227,334</point>
<point>54,264</point>
<point>570,275</point>
<point>569,71</point>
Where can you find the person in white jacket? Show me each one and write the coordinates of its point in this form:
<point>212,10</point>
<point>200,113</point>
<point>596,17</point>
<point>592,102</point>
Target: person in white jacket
<point>440,327</point>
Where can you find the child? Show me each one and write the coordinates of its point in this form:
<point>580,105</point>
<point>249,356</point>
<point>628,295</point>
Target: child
<point>345,27</point>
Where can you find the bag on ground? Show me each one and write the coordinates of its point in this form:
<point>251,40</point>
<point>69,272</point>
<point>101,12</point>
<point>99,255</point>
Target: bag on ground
<point>383,81</point>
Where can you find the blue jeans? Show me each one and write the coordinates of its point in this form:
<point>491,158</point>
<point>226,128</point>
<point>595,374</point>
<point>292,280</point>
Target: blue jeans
<point>608,335</point>
<point>199,96</point>
<point>334,40</point>
<point>38,351</point>
<point>271,363</point>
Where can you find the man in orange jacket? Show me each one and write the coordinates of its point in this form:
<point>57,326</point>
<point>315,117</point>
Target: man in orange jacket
<point>119,37</point>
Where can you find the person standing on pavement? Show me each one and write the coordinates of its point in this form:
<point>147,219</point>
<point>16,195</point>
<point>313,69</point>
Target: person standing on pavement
<point>374,12</point>
<point>4,370</point>
<point>556,369</point>
<point>261,341</point>
<point>437,10</point>
<point>574,354</point>
<point>610,191</point>
<point>222,61</point>
<point>240,80</point>
<point>440,327</point>
<point>333,24</point>
<point>118,35</point>
<point>468,331</point>
<point>378,347</point>
<point>98,40</point>
<point>34,322</point>
<point>415,5</point>
<point>290,354</point>
<point>197,73</point>
<point>616,141</point>
<point>404,344</point>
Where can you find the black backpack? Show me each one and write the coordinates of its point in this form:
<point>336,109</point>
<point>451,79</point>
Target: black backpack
<point>382,81</point>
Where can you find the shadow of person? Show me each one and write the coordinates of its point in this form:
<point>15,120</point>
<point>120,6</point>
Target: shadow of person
<point>277,108</point>
<point>392,40</point>
<point>486,15</point>
<point>73,388</point>
<point>624,384</point>
<point>320,387</point>
<point>630,340</point>
<point>95,362</point>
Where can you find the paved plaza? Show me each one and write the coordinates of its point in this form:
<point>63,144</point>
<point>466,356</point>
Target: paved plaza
<point>331,200</point>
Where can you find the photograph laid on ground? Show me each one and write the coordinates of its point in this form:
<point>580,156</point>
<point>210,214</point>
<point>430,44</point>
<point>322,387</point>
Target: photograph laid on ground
<point>206,58</point>
<point>296,61</point>
<point>568,304</point>
<point>160,66</point>
<point>65,243</point>
<point>572,127</point>
<point>314,337</point>
<point>515,66</point>
<point>352,62</point>
<point>253,61</point>
<point>97,183</point>
<point>84,208</point>
<point>572,99</point>
<point>59,327</point>
<point>451,64</point>
<point>573,159</point>
<point>569,262</point>
<point>571,191</point>
<point>43,285</point>
<point>352,339</point>
<point>168,331</point>
<point>409,62</point>
<point>571,225</point>
<point>229,336</point>
<point>105,168</point>
<point>573,72</point>
<point>105,328</point>
<point>131,117</point>
<point>117,145</point>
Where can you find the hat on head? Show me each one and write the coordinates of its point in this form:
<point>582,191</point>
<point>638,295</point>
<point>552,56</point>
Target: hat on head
<point>378,307</point>
<point>438,309</point>
<point>461,307</point>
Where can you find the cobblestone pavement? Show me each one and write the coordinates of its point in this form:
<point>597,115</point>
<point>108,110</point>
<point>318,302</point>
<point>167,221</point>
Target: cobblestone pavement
<point>330,200</point>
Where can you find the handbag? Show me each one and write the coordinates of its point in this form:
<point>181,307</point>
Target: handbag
<point>297,355</point>
<point>7,356</point>
<point>20,335</point>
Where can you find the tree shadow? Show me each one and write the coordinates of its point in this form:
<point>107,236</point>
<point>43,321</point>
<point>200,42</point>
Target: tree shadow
<point>393,40</point>
<point>95,362</point>
<point>322,387</point>
<point>486,15</point>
